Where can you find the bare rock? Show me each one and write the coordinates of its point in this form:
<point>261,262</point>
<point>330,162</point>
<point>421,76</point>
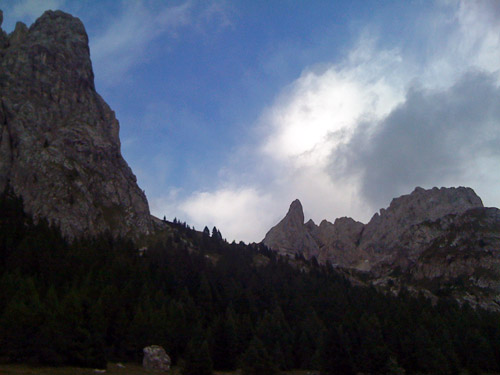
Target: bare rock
<point>436,241</point>
<point>392,230</point>
<point>339,242</point>
<point>19,33</point>
<point>59,143</point>
<point>155,358</point>
<point>291,236</point>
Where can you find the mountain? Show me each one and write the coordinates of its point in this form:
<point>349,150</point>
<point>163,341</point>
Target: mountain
<point>440,240</point>
<point>208,302</point>
<point>59,143</point>
<point>291,234</point>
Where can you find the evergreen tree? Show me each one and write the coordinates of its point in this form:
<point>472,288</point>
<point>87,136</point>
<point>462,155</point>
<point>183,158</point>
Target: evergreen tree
<point>20,323</point>
<point>224,351</point>
<point>276,335</point>
<point>80,303</point>
<point>334,357</point>
<point>308,342</point>
<point>206,232</point>
<point>257,361</point>
<point>197,360</point>
<point>373,354</point>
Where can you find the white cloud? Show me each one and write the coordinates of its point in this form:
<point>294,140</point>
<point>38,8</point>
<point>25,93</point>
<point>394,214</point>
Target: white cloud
<point>316,116</point>
<point>479,35</point>
<point>463,34</point>
<point>240,214</point>
<point>320,108</point>
<point>434,137</point>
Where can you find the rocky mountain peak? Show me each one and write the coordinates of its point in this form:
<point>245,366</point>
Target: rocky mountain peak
<point>291,235</point>
<point>428,237</point>
<point>421,205</point>
<point>433,203</point>
<point>295,214</point>
<point>59,140</point>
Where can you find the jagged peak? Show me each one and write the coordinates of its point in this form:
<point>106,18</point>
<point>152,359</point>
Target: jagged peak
<point>324,222</point>
<point>311,226</point>
<point>436,201</point>
<point>310,222</point>
<point>17,36</point>
<point>345,219</point>
<point>295,205</point>
<point>296,212</point>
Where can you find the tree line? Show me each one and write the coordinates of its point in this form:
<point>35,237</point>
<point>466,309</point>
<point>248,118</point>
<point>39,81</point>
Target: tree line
<point>215,305</point>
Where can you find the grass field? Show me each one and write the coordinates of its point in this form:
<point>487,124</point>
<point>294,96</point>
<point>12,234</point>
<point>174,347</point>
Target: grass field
<point>113,369</point>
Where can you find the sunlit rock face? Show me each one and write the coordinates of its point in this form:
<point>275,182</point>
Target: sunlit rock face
<point>291,235</point>
<point>399,233</point>
<point>59,144</point>
<point>442,240</point>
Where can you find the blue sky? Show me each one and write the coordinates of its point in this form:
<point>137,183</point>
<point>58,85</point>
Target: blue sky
<point>229,110</point>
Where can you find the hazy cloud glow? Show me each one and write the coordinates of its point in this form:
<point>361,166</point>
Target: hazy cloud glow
<point>236,210</point>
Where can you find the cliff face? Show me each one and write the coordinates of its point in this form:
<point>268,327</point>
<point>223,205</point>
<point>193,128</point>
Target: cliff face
<point>442,240</point>
<point>59,144</point>
<point>394,228</point>
<point>291,235</point>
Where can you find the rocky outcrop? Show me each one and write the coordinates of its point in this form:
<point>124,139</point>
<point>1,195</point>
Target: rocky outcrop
<point>393,233</point>
<point>393,229</point>
<point>59,144</point>
<point>442,240</point>
<point>336,243</point>
<point>155,358</point>
<point>339,242</point>
<point>291,235</point>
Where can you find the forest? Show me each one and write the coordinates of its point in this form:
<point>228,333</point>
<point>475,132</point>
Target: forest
<point>215,305</point>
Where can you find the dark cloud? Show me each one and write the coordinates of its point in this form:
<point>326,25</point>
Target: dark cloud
<point>433,138</point>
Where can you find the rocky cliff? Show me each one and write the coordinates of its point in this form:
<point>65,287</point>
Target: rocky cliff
<point>442,240</point>
<point>59,144</point>
<point>394,228</point>
<point>291,235</point>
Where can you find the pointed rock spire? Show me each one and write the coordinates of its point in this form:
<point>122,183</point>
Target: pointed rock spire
<point>295,215</point>
<point>291,235</point>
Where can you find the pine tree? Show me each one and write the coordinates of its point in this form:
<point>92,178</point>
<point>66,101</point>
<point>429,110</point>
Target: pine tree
<point>20,323</point>
<point>334,356</point>
<point>197,360</point>
<point>257,361</point>
<point>373,355</point>
<point>225,342</point>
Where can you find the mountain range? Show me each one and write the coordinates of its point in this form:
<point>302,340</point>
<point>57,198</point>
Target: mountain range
<point>60,152</point>
<point>443,241</point>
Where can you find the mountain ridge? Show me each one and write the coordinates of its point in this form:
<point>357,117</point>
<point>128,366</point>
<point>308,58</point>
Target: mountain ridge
<point>435,236</point>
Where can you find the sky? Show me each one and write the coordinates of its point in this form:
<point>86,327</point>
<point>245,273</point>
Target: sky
<point>230,110</point>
